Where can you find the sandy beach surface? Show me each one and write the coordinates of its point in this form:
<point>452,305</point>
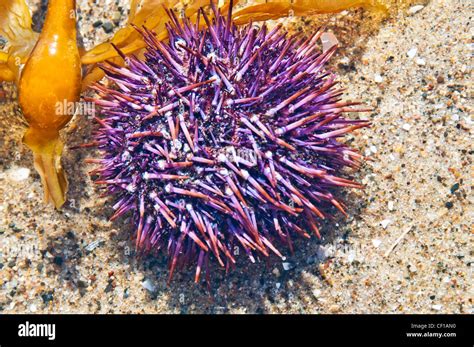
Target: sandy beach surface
<point>407,246</point>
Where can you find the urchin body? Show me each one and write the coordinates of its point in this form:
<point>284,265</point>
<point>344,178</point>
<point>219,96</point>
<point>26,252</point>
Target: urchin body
<point>223,137</point>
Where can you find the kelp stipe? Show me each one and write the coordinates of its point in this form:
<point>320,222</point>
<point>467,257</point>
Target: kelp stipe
<point>51,76</point>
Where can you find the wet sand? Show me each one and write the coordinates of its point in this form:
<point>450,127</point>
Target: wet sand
<point>406,248</point>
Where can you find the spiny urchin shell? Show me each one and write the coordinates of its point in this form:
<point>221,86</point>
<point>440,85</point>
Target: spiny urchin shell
<point>223,137</point>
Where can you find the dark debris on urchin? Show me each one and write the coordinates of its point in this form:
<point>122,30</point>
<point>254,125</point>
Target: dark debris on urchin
<point>223,137</point>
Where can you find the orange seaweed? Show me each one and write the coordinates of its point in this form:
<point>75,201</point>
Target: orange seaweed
<point>52,75</point>
<point>283,8</point>
<point>154,18</point>
<point>15,26</point>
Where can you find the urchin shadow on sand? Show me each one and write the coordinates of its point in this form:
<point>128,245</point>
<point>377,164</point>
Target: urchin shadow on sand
<point>250,287</point>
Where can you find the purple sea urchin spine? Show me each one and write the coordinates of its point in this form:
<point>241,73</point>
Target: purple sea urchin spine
<point>223,137</point>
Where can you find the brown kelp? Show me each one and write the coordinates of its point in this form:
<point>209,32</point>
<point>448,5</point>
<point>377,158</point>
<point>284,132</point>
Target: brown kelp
<point>48,72</point>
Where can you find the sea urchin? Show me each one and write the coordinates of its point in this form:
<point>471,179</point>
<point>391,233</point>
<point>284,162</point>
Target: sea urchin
<point>223,137</point>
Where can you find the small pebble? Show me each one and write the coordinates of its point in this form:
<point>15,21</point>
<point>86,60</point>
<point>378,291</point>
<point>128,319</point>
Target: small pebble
<point>287,266</point>
<point>93,245</point>
<point>33,308</point>
<point>376,243</point>
<point>116,17</point>
<point>19,174</point>
<point>47,297</point>
<point>328,40</point>
<point>108,27</point>
<point>316,293</point>
<point>420,62</point>
<point>414,9</point>
<point>412,52</point>
<point>437,307</point>
<point>406,127</point>
<point>323,253</point>
<point>390,205</point>
<point>58,260</point>
<point>345,60</point>
<point>148,285</point>
<point>378,78</point>
<point>351,256</point>
<point>97,24</point>
<point>126,293</point>
<point>385,223</point>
